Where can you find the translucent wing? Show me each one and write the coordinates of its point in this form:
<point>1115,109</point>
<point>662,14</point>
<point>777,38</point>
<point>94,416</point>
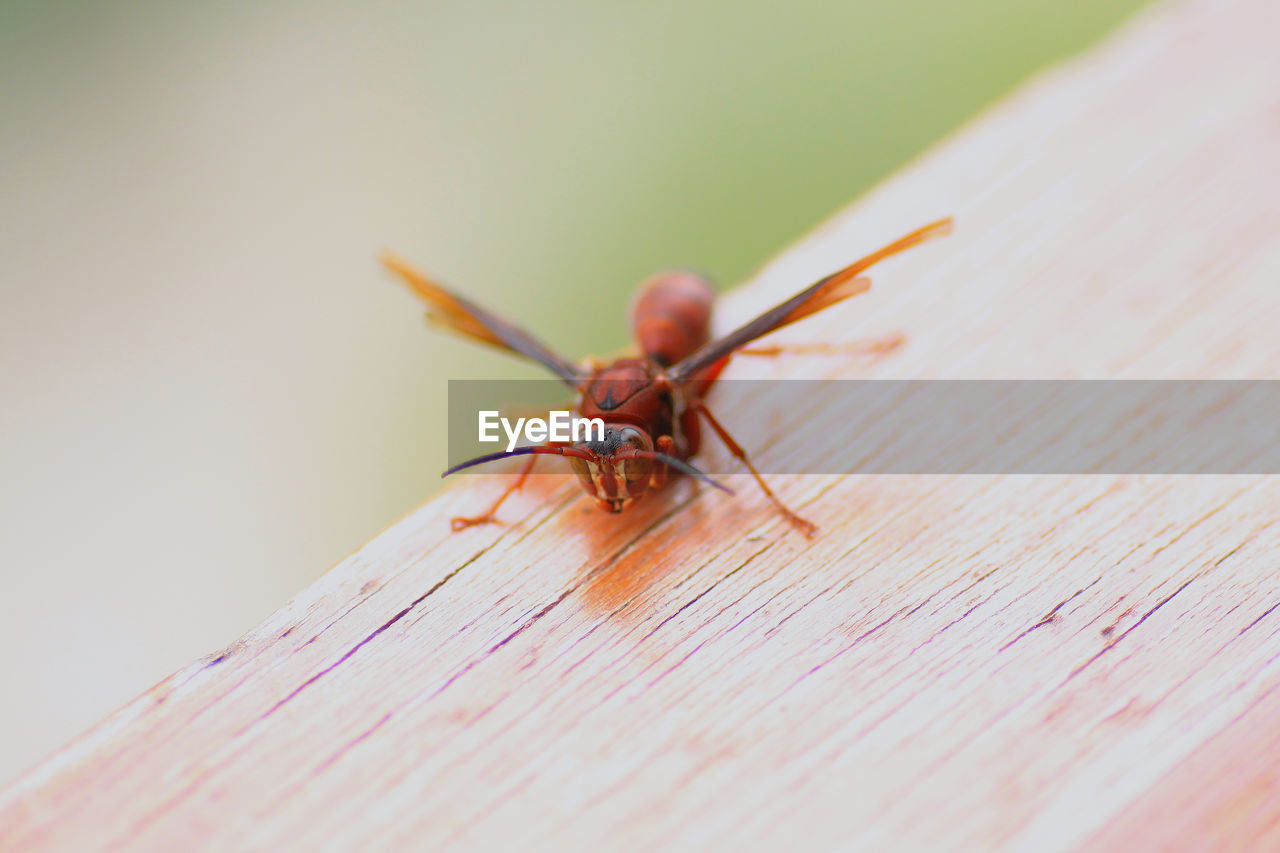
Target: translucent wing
<point>824,293</point>
<point>466,318</point>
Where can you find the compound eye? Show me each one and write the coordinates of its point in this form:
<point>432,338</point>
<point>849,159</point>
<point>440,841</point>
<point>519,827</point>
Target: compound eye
<point>634,438</point>
<point>635,472</point>
<point>585,474</point>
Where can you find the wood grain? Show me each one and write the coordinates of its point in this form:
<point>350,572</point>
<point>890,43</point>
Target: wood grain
<point>1031,662</point>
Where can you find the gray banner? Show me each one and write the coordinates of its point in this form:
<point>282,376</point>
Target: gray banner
<point>947,427</point>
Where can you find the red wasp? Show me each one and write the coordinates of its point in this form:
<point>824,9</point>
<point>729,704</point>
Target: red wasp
<point>651,405</point>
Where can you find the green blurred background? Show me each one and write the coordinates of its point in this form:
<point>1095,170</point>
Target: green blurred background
<point>210,393</point>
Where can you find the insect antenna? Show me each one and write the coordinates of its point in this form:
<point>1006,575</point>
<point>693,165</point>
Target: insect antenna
<point>679,465</point>
<point>520,451</point>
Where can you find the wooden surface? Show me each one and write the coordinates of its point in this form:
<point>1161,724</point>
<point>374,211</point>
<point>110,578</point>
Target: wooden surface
<point>1035,662</point>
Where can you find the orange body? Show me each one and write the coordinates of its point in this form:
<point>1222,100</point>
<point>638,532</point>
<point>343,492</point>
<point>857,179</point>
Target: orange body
<point>670,320</point>
<point>671,316</point>
<point>651,405</point>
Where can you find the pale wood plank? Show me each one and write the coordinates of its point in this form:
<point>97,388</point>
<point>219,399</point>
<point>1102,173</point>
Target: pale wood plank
<point>1031,662</point>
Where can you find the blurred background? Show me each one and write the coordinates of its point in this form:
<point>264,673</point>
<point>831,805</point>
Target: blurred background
<point>209,391</point>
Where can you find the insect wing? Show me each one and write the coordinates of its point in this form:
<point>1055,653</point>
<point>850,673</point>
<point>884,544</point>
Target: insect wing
<point>824,293</point>
<point>466,318</point>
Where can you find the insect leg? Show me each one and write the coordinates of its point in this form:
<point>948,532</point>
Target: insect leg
<point>874,346</point>
<point>490,515</point>
<point>665,444</point>
<point>805,526</point>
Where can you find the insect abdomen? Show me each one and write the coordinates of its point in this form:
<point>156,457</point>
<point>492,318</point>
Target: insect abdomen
<point>671,316</point>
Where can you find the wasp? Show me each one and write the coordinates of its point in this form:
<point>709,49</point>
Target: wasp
<point>654,404</point>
